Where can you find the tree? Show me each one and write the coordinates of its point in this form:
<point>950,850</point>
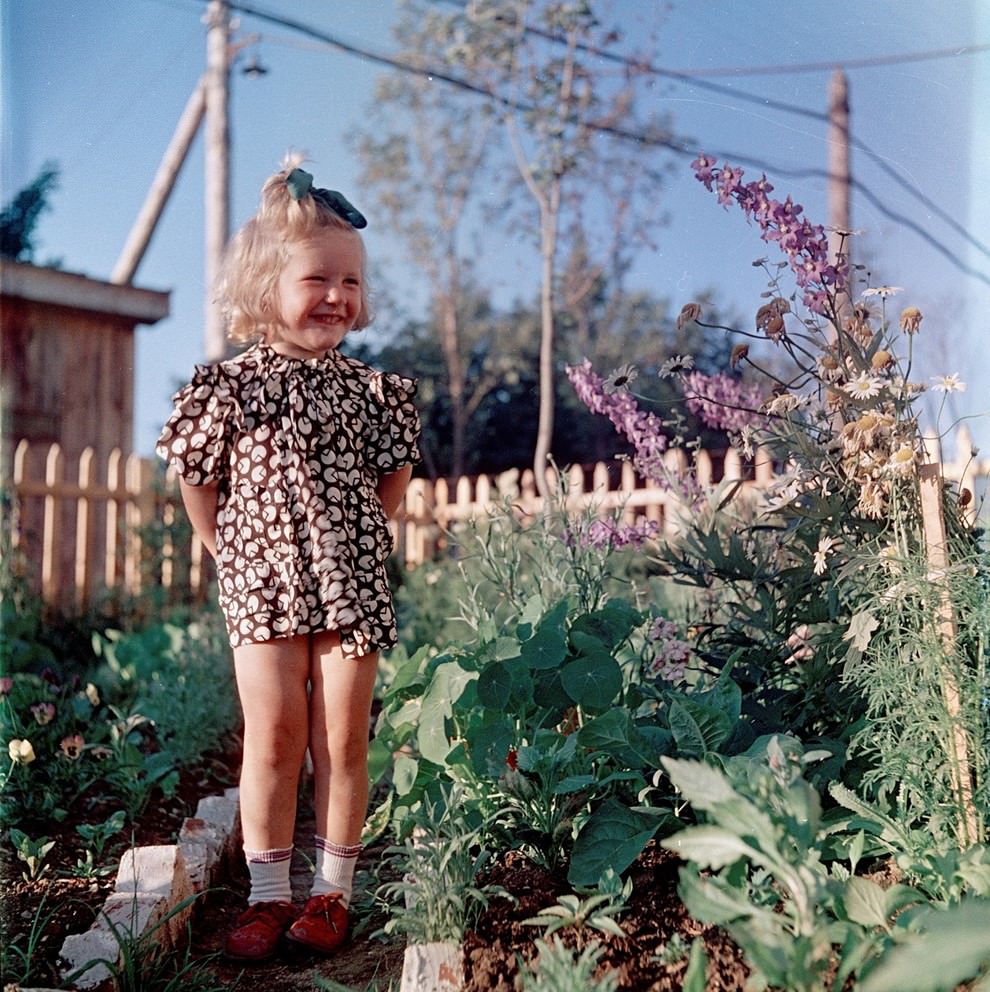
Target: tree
<point>424,154</point>
<point>19,218</point>
<point>536,68</point>
<point>562,113</point>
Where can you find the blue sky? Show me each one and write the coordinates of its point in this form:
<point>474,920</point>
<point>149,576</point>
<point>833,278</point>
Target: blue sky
<point>98,85</point>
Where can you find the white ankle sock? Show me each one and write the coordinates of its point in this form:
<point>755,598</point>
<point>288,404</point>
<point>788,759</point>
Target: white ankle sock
<point>269,871</point>
<point>335,864</point>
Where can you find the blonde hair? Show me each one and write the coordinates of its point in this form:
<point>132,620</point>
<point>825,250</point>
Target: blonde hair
<point>247,289</point>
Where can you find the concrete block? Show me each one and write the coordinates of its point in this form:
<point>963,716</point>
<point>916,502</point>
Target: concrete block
<point>124,917</point>
<point>202,846</point>
<point>152,883</point>
<point>435,967</point>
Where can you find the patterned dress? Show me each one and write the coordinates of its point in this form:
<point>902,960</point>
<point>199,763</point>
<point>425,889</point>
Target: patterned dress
<point>297,447</point>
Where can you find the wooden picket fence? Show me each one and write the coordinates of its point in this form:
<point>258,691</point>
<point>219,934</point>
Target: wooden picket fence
<point>83,532</point>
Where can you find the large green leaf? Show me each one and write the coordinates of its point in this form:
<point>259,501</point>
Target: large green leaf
<point>615,733</point>
<point>446,686</point>
<point>710,847</point>
<point>609,625</point>
<point>954,947</point>
<point>698,727</point>
<point>490,744</point>
<point>592,681</point>
<point>495,685</point>
<point>612,837</point>
<point>547,648</point>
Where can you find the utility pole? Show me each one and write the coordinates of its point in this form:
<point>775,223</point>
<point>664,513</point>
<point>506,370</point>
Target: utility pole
<point>839,172</point>
<point>217,203</point>
<point>161,187</point>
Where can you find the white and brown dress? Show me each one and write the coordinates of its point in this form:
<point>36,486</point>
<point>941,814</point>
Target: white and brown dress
<point>297,448</point>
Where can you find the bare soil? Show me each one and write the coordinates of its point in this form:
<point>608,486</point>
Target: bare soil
<point>654,915</point>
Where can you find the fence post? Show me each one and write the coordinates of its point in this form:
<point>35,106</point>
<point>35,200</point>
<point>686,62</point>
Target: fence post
<point>52,527</point>
<point>84,535</point>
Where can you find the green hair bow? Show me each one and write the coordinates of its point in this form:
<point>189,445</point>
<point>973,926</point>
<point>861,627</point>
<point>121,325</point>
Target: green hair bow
<point>300,183</point>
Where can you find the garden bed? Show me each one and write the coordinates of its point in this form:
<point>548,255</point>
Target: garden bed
<point>59,903</point>
<point>651,956</point>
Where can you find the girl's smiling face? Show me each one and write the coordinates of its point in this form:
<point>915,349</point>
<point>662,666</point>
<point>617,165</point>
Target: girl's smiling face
<point>319,293</point>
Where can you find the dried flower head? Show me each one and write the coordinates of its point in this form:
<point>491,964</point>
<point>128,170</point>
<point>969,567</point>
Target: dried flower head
<point>882,359</point>
<point>739,352</point>
<point>689,312</point>
<point>911,318</point>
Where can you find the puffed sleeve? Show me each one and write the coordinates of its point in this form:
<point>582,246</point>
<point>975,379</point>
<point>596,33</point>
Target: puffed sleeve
<point>196,438</point>
<point>394,441</point>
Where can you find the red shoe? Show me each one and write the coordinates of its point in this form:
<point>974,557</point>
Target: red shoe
<point>258,931</point>
<point>322,925</point>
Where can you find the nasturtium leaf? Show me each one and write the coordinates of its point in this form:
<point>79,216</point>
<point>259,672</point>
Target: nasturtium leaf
<point>548,692</point>
<point>489,747</point>
<point>446,687</point>
<point>495,685</point>
<point>404,775</point>
<point>506,648</point>
<point>547,648</point>
<point>592,681</point>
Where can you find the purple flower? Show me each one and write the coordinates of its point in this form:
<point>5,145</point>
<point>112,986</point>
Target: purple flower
<point>722,402</point>
<point>645,431</point>
<point>804,243</point>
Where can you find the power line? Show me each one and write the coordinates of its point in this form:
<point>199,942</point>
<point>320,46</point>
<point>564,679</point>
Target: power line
<point>672,144</point>
<point>864,63</point>
<point>691,77</point>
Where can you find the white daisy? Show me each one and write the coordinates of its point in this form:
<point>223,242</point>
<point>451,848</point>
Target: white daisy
<point>864,386</point>
<point>883,291</point>
<point>825,546</point>
<point>679,363</point>
<point>618,379</point>
<point>948,383</point>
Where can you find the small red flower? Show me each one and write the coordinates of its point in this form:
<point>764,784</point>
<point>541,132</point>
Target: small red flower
<point>512,759</point>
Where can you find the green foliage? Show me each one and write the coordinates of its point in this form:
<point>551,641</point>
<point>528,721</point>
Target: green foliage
<point>596,911</point>
<point>149,962</point>
<point>20,216</point>
<point>436,898</point>
<point>17,961</point>
<point>31,852</point>
<point>910,738</point>
<point>756,866</point>
<point>558,968</point>
<point>160,671</point>
<point>551,718</point>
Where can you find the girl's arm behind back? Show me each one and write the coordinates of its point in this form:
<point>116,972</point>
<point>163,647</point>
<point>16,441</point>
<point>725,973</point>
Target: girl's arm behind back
<point>391,489</point>
<point>201,508</point>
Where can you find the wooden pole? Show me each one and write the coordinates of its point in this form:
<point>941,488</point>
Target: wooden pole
<point>217,167</point>
<point>933,523</point>
<point>839,184</point>
<point>161,187</point>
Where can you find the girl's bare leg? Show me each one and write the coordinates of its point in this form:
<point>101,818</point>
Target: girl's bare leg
<point>340,708</point>
<point>271,681</point>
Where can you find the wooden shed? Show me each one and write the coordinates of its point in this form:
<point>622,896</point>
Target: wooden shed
<point>67,357</point>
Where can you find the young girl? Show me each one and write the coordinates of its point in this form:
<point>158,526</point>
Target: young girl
<point>291,458</point>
